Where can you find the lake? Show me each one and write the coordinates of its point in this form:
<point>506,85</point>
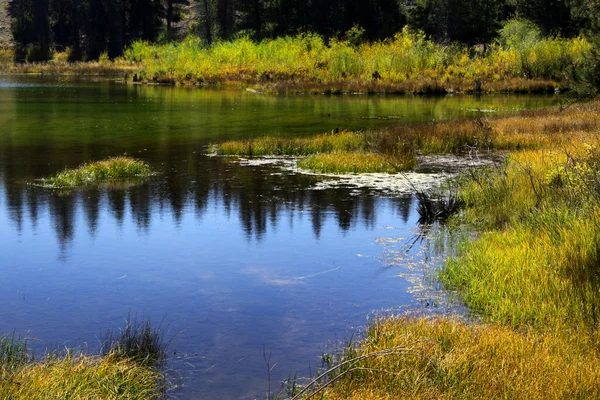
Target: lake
<point>232,260</point>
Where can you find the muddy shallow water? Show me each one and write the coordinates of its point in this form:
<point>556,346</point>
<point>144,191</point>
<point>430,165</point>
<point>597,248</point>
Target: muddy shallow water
<point>229,257</point>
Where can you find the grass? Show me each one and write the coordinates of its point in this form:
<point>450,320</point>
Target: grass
<point>130,368</point>
<point>140,341</point>
<point>396,148</point>
<point>307,63</point>
<point>59,65</point>
<point>444,358</point>
<point>353,162</point>
<point>112,170</point>
<point>531,276</point>
<point>408,62</point>
<point>281,146</point>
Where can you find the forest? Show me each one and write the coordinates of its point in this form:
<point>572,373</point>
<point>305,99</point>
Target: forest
<point>89,28</point>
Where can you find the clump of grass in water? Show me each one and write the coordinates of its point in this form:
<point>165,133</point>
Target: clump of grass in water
<point>13,351</point>
<point>112,170</point>
<point>139,341</point>
<point>355,162</point>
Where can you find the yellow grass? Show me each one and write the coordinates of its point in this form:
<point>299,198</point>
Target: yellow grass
<point>81,377</point>
<point>448,359</point>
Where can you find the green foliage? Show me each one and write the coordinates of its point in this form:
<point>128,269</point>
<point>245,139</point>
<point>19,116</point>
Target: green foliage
<point>518,32</point>
<point>405,58</point>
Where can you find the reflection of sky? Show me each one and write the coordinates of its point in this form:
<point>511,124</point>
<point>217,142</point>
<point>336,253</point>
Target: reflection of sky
<point>225,293</point>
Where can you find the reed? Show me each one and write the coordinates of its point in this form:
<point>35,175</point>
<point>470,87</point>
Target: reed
<point>270,145</point>
<point>130,367</point>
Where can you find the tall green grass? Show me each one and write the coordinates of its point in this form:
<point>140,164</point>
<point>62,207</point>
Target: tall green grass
<point>270,145</point>
<point>406,62</point>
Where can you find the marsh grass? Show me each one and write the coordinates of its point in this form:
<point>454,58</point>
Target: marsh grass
<point>354,162</point>
<point>112,170</point>
<point>531,276</point>
<point>396,148</point>
<point>139,341</point>
<point>14,351</point>
<point>129,367</point>
<point>270,145</point>
<point>445,358</point>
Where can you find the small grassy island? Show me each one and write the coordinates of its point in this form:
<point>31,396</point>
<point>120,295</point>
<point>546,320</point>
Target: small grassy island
<point>113,170</point>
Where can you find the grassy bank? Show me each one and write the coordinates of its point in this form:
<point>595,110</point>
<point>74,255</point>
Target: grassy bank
<point>406,63</point>
<point>519,60</point>
<point>397,148</point>
<point>129,368</point>
<point>113,170</point>
<point>531,275</point>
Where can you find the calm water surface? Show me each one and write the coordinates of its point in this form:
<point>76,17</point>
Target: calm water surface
<point>232,259</point>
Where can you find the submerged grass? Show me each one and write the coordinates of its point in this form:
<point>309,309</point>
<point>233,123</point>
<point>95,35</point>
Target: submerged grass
<point>111,170</point>
<point>531,275</point>
<point>130,368</point>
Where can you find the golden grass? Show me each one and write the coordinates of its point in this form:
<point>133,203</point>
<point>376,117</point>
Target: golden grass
<point>81,377</point>
<point>395,148</point>
<point>355,162</point>
<point>270,145</point>
<point>448,359</point>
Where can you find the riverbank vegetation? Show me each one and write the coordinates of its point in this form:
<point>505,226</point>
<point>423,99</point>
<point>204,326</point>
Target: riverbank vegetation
<point>113,170</point>
<point>408,62</point>
<point>398,148</point>
<point>531,275</point>
<point>119,373</point>
<point>379,46</point>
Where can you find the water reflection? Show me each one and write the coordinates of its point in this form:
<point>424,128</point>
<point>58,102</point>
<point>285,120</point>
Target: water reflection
<point>260,196</point>
<point>234,257</point>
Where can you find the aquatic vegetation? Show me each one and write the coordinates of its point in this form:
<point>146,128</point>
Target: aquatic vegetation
<point>406,63</point>
<point>355,162</point>
<point>140,341</point>
<point>397,148</point>
<point>82,377</point>
<point>111,170</point>
<point>270,145</point>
